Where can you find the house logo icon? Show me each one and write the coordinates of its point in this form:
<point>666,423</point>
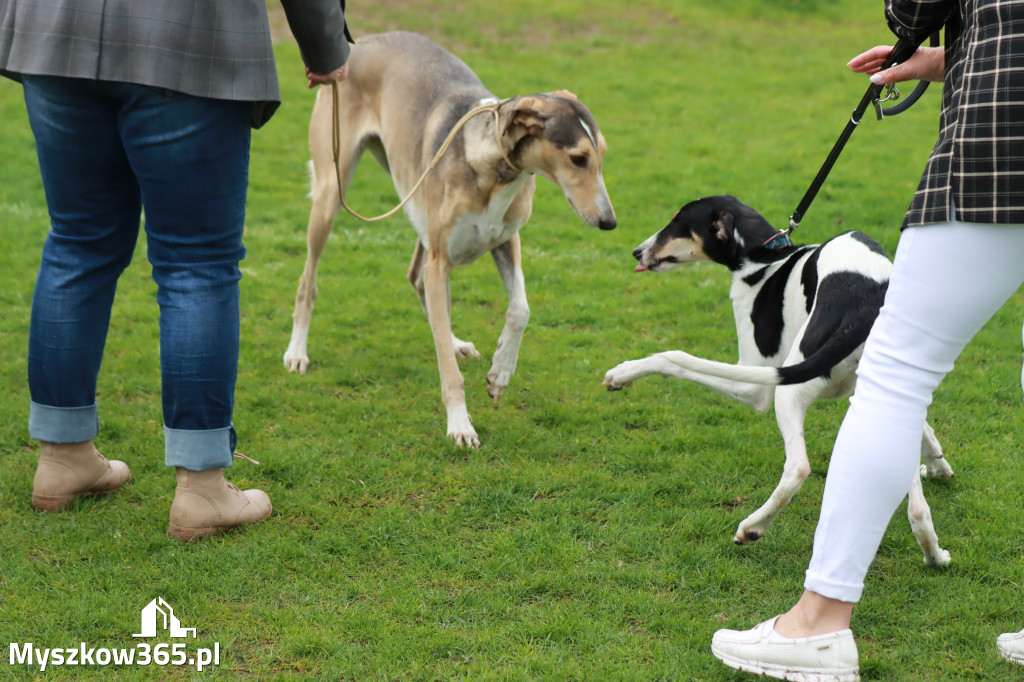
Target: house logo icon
<point>159,613</point>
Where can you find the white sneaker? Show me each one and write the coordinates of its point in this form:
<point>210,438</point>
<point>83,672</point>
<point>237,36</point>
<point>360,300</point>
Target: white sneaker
<point>1011,646</point>
<point>761,650</point>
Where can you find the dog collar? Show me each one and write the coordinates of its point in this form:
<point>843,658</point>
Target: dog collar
<point>778,241</point>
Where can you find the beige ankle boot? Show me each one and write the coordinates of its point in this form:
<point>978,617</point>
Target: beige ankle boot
<point>206,504</point>
<point>67,471</point>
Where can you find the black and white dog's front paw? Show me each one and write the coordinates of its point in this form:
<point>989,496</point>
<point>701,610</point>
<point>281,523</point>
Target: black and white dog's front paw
<point>624,375</point>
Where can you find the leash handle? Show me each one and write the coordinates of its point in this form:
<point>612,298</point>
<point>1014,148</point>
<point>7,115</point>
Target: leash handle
<point>901,52</point>
<point>911,99</point>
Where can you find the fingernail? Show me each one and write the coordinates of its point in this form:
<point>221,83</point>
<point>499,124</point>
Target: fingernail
<point>876,78</point>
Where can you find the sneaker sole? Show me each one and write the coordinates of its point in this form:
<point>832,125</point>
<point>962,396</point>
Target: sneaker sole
<point>1012,658</point>
<point>784,674</point>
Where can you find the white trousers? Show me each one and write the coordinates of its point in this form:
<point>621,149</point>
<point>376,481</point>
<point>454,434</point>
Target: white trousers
<point>947,281</point>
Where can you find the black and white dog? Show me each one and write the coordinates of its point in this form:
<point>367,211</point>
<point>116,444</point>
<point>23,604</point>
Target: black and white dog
<point>802,315</point>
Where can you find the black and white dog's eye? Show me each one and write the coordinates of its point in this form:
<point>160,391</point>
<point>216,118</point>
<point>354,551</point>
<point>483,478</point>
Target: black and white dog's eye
<point>579,160</point>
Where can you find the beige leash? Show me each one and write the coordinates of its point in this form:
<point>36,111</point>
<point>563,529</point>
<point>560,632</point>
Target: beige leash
<point>472,113</point>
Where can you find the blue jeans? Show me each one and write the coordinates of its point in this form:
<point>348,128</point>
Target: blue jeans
<point>106,150</point>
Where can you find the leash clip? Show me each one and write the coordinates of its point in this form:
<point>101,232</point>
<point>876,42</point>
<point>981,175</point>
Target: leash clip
<point>891,95</point>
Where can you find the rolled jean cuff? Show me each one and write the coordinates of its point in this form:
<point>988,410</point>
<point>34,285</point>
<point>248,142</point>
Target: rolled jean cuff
<point>63,424</point>
<point>832,589</point>
<point>199,450</point>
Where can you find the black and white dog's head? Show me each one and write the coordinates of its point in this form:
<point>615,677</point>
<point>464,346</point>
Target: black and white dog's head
<point>720,229</point>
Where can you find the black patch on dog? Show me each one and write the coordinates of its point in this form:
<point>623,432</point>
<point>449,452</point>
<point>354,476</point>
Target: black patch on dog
<point>767,311</point>
<point>768,256</point>
<point>809,278</point>
<point>868,242</point>
<point>847,306</point>
<point>755,277</point>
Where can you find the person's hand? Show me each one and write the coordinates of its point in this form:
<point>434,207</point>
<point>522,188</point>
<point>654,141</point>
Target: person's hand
<point>316,79</point>
<point>927,64</point>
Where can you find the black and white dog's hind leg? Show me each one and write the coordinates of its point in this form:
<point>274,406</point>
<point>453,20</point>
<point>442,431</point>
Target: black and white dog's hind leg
<point>920,516</point>
<point>933,465</point>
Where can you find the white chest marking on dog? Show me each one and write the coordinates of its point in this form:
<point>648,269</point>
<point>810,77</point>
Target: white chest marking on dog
<point>474,234</point>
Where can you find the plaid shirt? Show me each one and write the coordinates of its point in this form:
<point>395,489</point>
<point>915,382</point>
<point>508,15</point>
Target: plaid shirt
<point>978,162</point>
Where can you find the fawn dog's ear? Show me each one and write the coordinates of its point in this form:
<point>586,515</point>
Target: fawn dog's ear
<point>563,93</point>
<point>527,112</point>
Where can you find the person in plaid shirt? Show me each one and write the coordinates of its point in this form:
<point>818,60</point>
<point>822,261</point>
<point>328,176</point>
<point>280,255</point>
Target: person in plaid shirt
<point>960,258</point>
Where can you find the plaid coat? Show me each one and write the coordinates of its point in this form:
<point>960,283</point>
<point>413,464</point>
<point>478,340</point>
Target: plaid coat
<point>219,49</point>
<point>978,162</point>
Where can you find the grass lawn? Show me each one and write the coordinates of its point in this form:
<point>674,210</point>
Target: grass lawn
<point>589,538</point>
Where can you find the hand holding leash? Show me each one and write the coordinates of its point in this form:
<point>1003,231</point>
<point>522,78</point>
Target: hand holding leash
<point>926,64</point>
<point>882,59</point>
<point>315,79</point>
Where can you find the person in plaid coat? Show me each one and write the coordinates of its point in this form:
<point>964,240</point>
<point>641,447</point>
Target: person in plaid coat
<point>960,258</point>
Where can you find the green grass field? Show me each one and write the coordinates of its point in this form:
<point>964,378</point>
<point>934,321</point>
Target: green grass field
<point>589,538</point>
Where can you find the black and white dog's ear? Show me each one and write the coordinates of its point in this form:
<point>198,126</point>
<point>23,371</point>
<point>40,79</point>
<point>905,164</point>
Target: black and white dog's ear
<point>721,225</point>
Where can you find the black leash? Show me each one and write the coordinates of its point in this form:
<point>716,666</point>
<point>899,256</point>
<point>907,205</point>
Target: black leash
<point>903,50</point>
